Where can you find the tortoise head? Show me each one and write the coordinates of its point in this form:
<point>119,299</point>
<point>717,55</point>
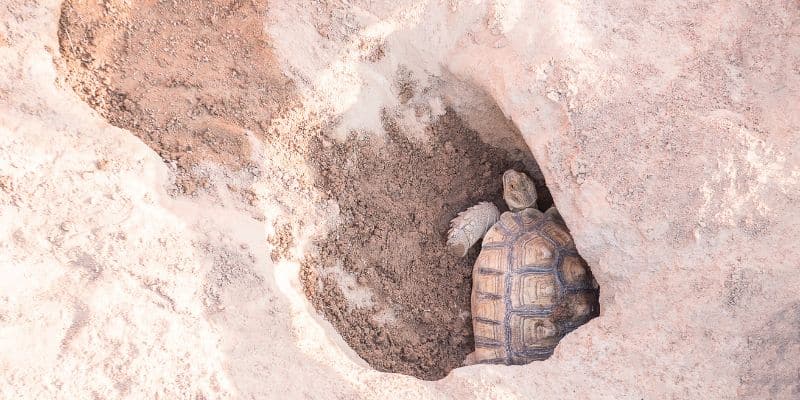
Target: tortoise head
<point>519,191</point>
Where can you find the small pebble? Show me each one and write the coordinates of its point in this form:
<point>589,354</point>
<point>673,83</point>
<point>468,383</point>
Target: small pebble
<point>427,317</point>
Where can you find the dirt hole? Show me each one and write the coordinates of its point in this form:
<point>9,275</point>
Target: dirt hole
<point>385,278</point>
<point>196,81</point>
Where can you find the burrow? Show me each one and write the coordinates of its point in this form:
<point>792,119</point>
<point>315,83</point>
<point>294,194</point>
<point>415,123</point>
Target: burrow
<point>192,78</point>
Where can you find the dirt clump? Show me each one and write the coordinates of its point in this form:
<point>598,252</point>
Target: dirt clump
<point>396,200</point>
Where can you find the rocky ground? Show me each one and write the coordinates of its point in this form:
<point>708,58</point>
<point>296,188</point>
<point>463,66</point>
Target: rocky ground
<point>242,199</point>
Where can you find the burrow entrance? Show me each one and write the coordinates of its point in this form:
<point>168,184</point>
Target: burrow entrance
<point>192,78</point>
<point>384,278</point>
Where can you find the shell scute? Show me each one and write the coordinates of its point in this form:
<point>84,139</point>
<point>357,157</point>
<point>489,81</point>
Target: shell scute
<point>532,250</point>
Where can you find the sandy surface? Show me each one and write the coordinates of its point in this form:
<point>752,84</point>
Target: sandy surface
<point>667,135</point>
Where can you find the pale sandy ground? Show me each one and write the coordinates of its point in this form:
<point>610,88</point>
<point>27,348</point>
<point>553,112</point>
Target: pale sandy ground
<point>668,134</point>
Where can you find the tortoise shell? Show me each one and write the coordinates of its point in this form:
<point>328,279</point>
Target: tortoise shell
<point>530,288</point>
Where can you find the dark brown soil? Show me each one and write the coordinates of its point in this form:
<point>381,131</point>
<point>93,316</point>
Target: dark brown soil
<point>396,201</point>
<point>191,78</point>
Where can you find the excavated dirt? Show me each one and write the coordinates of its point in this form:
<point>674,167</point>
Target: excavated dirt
<point>190,78</point>
<point>387,282</point>
<point>196,81</point>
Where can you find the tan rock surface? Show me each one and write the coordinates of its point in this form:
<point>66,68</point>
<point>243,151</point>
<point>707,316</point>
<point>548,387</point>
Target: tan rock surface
<point>667,134</point>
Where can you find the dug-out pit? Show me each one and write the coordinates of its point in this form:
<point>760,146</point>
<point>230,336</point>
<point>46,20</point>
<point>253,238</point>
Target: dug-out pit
<point>190,78</point>
<point>385,278</point>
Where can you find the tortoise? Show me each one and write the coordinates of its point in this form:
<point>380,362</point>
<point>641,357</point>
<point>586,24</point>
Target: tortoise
<point>530,285</point>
